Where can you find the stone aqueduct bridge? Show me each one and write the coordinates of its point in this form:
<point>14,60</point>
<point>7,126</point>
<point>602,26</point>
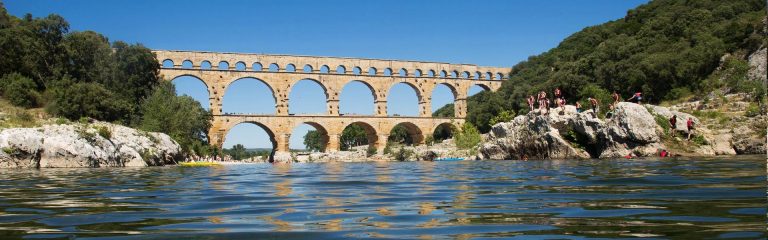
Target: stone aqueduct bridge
<point>281,72</point>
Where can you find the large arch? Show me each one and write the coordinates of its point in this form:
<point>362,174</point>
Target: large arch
<point>353,98</point>
<point>190,85</point>
<point>476,88</point>
<point>395,106</point>
<point>443,131</point>
<point>414,133</point>
<point>372,136</point>
<point>300,130</point>
<point>308,99</point>
<point>443,94</point>
<point>244,95</point>
<point>272,141</point>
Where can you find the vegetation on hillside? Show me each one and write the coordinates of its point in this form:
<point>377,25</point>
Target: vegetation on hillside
<point>79,75</point>
<point>668,49</point>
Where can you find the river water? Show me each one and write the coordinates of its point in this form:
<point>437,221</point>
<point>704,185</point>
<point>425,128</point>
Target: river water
<point>665,199</point>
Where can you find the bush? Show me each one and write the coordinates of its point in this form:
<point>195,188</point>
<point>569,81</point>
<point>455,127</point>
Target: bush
<point>61,121</point>
<point>468,137</point>
<point>20,91</point>
<point>678,93</point>
<point>753,110</point>
<point>86,100</point>
<point>403,154</point>
<point>504,116</point>
<point>105,132</point>
<point>370,151</point>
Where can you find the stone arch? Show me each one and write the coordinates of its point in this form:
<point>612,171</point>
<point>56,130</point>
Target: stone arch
<point>403,72</point>
<point>453,89</point>
<point>205,64</point>
<point>341,69</point>
<point>477,75</point>
<point>208,88</point>
<point>167,63</point>
<point>372,71</point>
<point>370,131</point>
<point>187,64</point>
<point>319,128</point>
<point>308,68</point>
<point>499,76</point>
<point>257,66</point>
<point>488,76</point>
<point>357,70</point>
<point>228,84</point>
<point>438,101</point>
<point>417,73</point>
<point>240,66</point>
<point>223,65</point>
<point>264,127</point>
<point>443,74</point>
<point>454,74</point>
<point>325,69</point>
<point>465,75</point>
<point>416,89</point>
<point>274,67</point>
<point>388,72</point>
<point>444,131</point>
<point>414,132</point>
<point>322,86</point>
<point>290,67</point>
<point>431,73</point>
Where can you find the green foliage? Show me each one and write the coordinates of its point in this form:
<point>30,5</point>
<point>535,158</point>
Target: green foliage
<point>699,140</point>
<point>663,123</point>
<point>429,140</point>
<point>105,132</point>
<point>19,90</point>
<point>86,100</point>
<point>83,133</point>
<point>181,117</point>
<point>659,48</point>
<point>237,152</point>
<point>593,91</point>
<point>352,136</point>
<point>403,154</point>
<point>443,132</point>
<point>60,121</point>
<point>8,150</point>
<point>753,110</point>
<point>678,93</point>
<point>24,116</point>
<point>504,116</point>
<point>370,151</point>
<point>468,137</point>
<point>446,111</point>
<point>314,141</point>
<point>399,134</point>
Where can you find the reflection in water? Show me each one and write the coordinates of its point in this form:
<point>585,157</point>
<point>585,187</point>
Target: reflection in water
<point>675,198</point>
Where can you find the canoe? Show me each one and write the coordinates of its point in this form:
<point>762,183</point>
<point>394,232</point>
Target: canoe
<point>449,159</point>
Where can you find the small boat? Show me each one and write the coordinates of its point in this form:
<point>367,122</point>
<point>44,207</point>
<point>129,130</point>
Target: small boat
<point>449,159</point>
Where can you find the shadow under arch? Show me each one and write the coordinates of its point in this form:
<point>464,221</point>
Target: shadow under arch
<point>415,135</point>
<point>266,129</point>
<point>324,137</point>
<point>444,131</point>
<point>230,83</point>
<point>370,132</point>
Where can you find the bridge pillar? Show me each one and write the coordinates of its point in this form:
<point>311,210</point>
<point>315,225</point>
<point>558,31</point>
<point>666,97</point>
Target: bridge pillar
<point>381,107</point>
<point>281,101</point>
<point>334,143</point>
<point>425,108</point>
<point>333,107</point>
<point>381,143</point>
<point>460,108</point>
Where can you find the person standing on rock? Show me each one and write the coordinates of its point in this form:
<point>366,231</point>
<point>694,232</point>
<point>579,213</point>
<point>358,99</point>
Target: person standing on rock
<point>673,124</point>
<point>578,106</point>
<point>615,97</point>
<point>558,93</point>
<point>595,105</point>
<point>637,98</point>
<point>530,102</point>
<point>690,124</point>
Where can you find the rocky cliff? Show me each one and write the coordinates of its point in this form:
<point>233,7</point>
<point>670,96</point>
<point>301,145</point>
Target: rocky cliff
<point>633,129</point>
<point>85,145</point>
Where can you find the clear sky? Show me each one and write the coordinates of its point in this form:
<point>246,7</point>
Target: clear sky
<point>483,32</point>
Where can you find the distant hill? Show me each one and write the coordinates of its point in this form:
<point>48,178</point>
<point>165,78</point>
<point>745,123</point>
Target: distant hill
<point>668,49</point>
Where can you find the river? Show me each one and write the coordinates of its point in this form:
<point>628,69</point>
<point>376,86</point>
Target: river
<point>666,199</point>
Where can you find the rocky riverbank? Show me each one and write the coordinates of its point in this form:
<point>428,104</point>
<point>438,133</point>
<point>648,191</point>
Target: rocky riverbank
<point>97,144</point>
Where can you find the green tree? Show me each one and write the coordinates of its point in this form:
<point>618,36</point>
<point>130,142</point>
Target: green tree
<point>468,137</point>
<point>399,134</point>
<point>352,136</point>
<point>444,111</point>
<point>314,141</point>
<point>19,90</point>
<point>85,100</point>
<point>181,117</point>
<point>237,152</point>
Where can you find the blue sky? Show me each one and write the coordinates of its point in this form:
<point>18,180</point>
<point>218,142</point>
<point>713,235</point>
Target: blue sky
<point>490,33</point>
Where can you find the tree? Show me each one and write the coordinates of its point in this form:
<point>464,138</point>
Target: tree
<point>19,90</point>
<point>85,100</point>
<point>352,136</point>
<point>237,152</point>
<point>468,137</point>
<point>399,134</point>
<point>444,111</point>
<point>181,117</point>
<point>314,141</point>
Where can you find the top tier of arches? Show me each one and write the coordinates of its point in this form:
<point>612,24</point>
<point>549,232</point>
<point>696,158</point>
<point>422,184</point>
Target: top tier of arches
<point>326,65</point>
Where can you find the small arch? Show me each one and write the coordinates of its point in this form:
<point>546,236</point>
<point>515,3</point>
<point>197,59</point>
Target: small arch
<point>223,65</point>
<point>205,65</point>
<point>341,69</point>
<point>325,69</point>
<point>465,75</point>
<point>274,67</point>
<point>431,73</point>
<point>372,71</point>
<point>488,76</point>
<point>357,70</point>
<point>240,66</point>
<point>403,72</point>
<point>499,76</point>
<point>167,63</point>
<point>348,141</point>
<point>477,75</point>
<point>454,74</point>
<point>187,64</point>
<point>257,66</point>
<point>443,74</point>
<point>308,68</point>
<point>417,73</point>
<point>388,72</point>
<point>290,68</point>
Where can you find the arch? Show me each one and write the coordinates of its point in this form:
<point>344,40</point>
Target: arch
<point>477,88</point>
<point>465,75</point>
<point>413,133</point>
<point>403,72</point>
<point>300,130</point>
<point>443,94</point>
<point>341,69</point>
<point>443,131</point>
<point>454,74</point>
<point>388,72</point>
<point>257,66</point>
<point>488,76</point>
<point>400,106</point>
<point>417,73</point>
<point>443,74</point>
<point>431,73</point>
<point>372,136</point>
<point>191,88</point>
<point>246,98</point>
<point>290,67</point>
<point>307,98</point>
<point>357,70</point>
<point>205,65</point>
<point>187,64</point>
<point>308,68</point>
<point>167,63</point>
<point>372,71</point>
<point>223,65</point>
<point>274,67</point>
<point>499,76</point>
<point>270,134</point>
<point>325,69</point>
<point>477,75</point>
<point>240,66</point>
<point>361,105</point>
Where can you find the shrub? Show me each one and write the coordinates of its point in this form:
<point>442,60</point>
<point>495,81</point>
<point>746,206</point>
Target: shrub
<point>61,121</point>
<point>24,116</point>
<point>403,154</point>
<point>678,93</point>
<point>105,132</point>
<point>504,116</point>
<point>700,140</point>
<point>468,137</point>
<point>20,91</point>
<point>753,110</point>
<point>370,151</point>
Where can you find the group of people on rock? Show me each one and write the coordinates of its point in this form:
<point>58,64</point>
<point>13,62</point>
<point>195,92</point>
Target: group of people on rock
<point>560,102</point>
<point>690,125</point>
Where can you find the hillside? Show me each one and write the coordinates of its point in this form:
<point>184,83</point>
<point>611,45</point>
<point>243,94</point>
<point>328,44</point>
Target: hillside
<point>668,49</point>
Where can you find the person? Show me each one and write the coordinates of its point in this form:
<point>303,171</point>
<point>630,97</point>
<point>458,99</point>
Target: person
<point>530,102</point>
<point>637,98</point>
<point>557,92</point>
<point>542,102</point>
<point>672,125</point>
<point>611,109</point>
<point>615,97</point>
<point>578,106</point>
<point>664,153</point>
<point>595,105</point>
<point>690,124</point>
<point>546,105</point>
<point>561,102</point>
